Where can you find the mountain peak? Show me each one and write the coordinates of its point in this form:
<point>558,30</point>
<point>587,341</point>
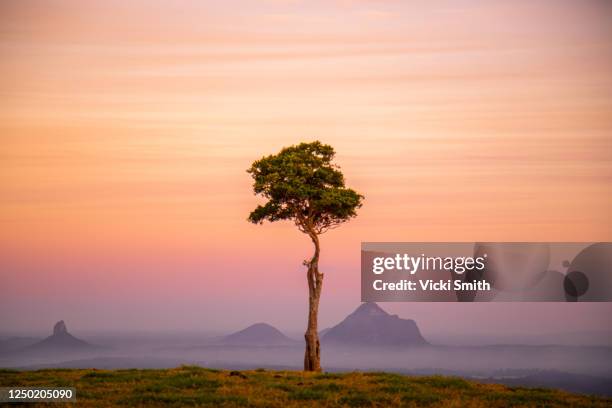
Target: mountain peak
<point>258,334</point>
<point>370,325</point>
<point>262,326</point>
<point>369,309</point>
<point>60,340</point>
<point>60,328</point>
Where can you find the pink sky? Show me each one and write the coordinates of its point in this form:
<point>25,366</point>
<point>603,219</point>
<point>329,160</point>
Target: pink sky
<point>126,129</point>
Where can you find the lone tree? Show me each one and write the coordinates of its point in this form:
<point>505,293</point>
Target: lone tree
<point>303,185</point>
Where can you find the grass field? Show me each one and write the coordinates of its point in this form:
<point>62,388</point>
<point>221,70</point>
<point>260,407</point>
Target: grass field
<point>196,386</point>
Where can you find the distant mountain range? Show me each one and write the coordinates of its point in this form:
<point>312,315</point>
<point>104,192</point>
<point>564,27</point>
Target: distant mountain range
<point>259,334</point>
<point>396,344</point>
<point>369,325</point>
<point>60,340</point>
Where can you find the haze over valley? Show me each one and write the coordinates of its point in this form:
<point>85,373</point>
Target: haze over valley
<point>366,340</point>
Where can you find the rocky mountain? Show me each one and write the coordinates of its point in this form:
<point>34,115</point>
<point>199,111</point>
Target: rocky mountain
<point>370,325</point>
<point>60,340</point>
<point>259,334</point>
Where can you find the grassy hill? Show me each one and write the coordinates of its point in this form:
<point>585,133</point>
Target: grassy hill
<point>189,385</point>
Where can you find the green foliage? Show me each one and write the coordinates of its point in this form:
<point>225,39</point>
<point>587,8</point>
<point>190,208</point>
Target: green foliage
<point>196,386</point>
<point>302,184</point>
<point>307,394</point>
<point>357,399</point>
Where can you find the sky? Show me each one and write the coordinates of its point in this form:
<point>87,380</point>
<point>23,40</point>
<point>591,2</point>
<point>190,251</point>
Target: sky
<point>126,128</point>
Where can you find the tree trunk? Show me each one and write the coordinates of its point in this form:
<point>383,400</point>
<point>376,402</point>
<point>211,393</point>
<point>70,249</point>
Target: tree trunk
<point>312,355</point>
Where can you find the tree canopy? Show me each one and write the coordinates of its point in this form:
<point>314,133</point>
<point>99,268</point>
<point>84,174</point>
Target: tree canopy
<point>301,183</point>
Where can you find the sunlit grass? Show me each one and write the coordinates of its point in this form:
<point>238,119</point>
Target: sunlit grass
<point>197,386</point>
